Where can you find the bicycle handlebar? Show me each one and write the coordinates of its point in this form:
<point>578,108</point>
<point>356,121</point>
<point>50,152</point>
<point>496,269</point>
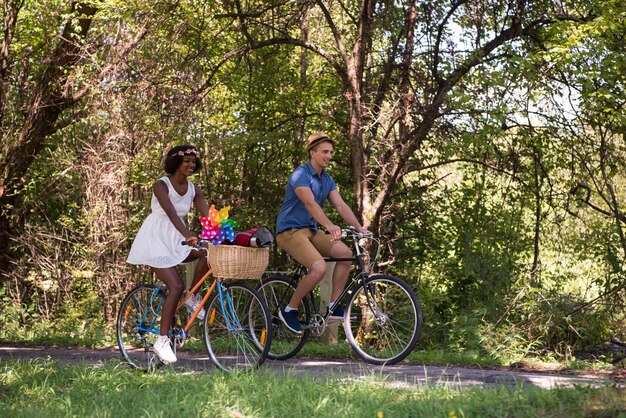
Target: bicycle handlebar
<point>200,241</point>
<point>345,232</point>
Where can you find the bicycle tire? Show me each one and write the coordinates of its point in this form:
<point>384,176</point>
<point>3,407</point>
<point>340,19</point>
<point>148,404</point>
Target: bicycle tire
<point>232,334</point>
<point>277,291</point>
<point>388,331</point>
<point>137,327</point>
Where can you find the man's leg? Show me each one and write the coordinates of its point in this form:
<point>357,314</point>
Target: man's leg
<point>308,282</point>
<point>342,269</point>
<point>335,249</point>
<point>297,243</point>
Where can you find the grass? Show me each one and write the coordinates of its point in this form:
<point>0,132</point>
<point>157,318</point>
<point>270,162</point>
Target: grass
<point>47,388</point>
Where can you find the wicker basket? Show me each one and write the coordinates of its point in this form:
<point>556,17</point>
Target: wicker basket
<point>235,262</point>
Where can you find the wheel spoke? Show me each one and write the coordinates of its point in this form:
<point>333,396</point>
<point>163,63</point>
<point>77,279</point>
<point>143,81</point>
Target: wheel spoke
<point>277,292</point>
<point>138,327</point>
<point>237,328</point>
<point>385,320</point>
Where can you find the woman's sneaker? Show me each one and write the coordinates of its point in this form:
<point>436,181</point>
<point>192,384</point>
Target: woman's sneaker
<point>163,349</point>
<point>336,315</point>
<point>192,304</point>
<point>290,319</point>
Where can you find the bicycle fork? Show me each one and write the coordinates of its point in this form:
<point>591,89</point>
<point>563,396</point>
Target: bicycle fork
<point>232,323</point>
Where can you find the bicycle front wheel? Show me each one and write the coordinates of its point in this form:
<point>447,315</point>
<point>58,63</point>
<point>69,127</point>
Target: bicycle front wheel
<point>383,320</point>
<point>237,327</point>
<point>137,327</point>
<point>277,291</point>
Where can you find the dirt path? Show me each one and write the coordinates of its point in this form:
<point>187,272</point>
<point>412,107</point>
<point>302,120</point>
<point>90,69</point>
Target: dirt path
<point>400,375</point>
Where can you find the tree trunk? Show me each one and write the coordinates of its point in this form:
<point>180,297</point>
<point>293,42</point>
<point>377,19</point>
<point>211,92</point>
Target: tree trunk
<point>535,273</point>
<point>50,97</point>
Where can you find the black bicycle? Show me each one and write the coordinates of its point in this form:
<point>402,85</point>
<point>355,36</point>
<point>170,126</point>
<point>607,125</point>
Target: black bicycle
<point>382,319</point>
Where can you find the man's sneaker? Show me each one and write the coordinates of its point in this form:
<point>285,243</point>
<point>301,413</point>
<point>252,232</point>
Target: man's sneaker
<point>336,315</point>
<point>290,319</point>
<point>163,349</point>
<point>192,304</point>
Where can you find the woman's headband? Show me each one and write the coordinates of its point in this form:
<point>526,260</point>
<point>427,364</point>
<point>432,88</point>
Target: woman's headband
<point>189,151</point>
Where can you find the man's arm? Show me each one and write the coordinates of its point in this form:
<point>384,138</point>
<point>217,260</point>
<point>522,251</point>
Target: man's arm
<point>308,200</point>
<point>344,211</point>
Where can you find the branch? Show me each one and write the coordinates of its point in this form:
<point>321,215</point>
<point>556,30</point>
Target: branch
<point>470,161</point>
<point>440,28</point>
<point>341,71</point>
<point>11,12</point>
<point>414,138</point>
<point>587,201</point>
<point>111,67</point>
<point>602,296</point>
<point>47,101</point>
<point>335,32</point>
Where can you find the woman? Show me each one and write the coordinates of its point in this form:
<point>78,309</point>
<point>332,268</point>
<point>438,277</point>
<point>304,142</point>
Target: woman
<point>158,242</point>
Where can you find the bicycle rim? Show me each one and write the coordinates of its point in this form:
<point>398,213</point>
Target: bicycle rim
<point>137,327</point>
<point>237,328</point>
<point>285,344</point>
<point>383,326</point>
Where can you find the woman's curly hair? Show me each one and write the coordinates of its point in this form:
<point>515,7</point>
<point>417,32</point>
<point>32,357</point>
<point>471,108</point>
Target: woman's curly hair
<point>174,158</point>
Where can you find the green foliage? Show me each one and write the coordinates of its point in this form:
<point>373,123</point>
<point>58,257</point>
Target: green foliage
<point>543,326</point>
<point>483,221</point>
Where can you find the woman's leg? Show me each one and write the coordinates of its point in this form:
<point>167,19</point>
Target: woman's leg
<point>201,268</point>
<point>175,286</point>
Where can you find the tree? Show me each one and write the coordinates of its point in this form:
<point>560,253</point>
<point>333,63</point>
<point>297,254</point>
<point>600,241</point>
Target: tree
<point>400,66</point>
<point>52,93</point>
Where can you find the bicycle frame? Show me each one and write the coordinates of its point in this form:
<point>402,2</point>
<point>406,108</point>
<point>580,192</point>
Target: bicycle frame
<point>356,279</point>
<point>236,330</point>
<point>379,332</point>
<point>216,283</point>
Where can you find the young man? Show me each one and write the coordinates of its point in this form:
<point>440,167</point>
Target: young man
<point>297,227</point>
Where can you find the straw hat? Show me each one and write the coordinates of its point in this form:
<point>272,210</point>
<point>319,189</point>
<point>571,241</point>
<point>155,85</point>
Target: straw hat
<point>317,138</point>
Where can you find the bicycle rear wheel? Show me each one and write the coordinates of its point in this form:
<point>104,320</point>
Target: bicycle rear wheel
<point>137,327</point>
<point>383,320</point>
<point>277,291</point>
<point>237,328</point>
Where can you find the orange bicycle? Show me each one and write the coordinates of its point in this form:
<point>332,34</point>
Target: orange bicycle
<point>236,328</point>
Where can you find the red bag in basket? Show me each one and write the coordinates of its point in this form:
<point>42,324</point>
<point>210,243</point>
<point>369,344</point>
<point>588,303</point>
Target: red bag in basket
<point>256,237</point>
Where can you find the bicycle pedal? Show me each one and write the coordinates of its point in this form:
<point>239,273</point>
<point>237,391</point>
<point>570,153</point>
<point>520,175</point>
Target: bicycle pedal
<point>334,320</point>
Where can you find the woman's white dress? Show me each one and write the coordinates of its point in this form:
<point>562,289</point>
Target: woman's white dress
<point>158,242</point>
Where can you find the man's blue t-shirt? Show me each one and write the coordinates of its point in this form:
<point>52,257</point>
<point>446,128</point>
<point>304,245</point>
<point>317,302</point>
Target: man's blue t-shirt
<point>293,213</point>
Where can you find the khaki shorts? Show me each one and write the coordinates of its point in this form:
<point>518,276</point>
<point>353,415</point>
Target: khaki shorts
<point>305,247</point>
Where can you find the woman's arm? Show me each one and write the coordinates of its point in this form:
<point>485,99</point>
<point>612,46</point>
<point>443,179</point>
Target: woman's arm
<point>200,202</point>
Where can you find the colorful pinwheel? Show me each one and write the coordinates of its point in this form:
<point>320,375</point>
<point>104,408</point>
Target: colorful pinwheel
<point>217,227</point>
